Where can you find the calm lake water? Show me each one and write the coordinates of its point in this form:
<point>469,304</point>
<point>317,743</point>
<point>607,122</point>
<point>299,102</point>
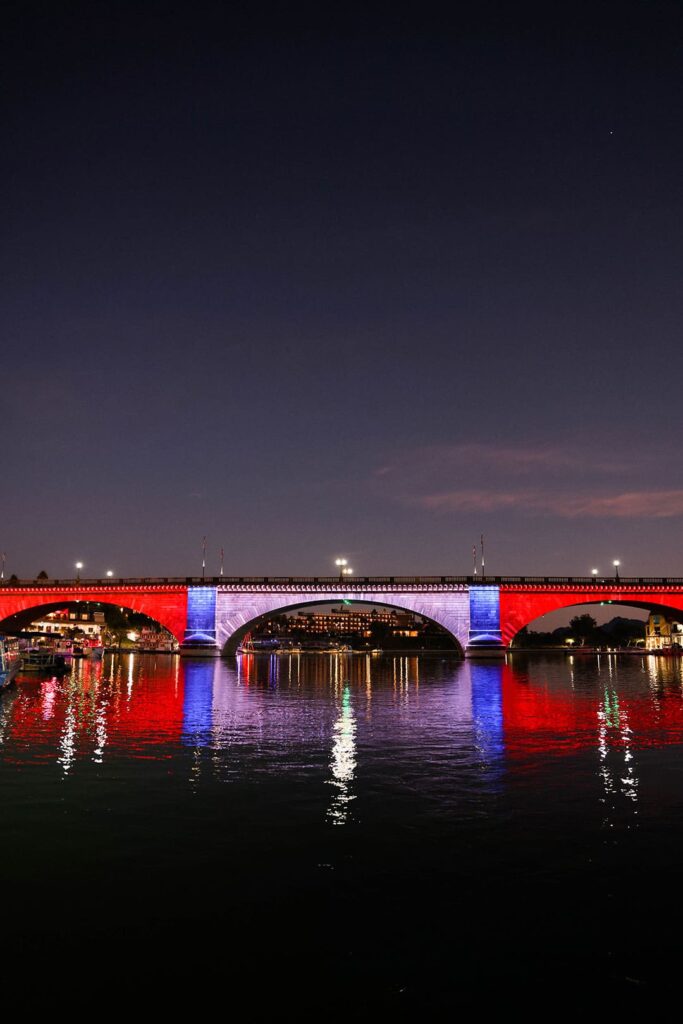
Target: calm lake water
<point>352,831</point>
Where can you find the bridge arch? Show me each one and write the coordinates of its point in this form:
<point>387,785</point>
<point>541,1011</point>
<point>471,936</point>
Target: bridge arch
<point>518,608</point>
<point>238,613</point>
<point>165,605</point>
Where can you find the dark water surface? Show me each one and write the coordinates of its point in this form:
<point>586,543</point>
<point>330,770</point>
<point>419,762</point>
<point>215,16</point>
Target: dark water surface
<point>353,831</point>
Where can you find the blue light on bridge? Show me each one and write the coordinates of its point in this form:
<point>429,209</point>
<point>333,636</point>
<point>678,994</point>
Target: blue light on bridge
<point>485,616</point>
<point>201,616</point>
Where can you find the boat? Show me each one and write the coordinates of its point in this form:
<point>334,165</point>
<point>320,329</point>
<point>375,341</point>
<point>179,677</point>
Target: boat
<point>251,646</point>
<point>339,649</point>
<point>38,660</point>
<point>9,667</point>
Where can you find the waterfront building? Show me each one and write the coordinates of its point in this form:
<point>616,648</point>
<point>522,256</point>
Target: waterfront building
<point>662,634</point>
<point>345,622</point>
<point>67,620</point>
<point>153,639</point>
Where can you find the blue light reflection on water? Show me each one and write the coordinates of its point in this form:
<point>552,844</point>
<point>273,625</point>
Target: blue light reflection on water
<point>198,701</point>
<point>487,708</point>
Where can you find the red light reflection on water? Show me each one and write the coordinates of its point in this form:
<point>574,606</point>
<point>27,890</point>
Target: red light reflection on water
<point>138,705</point>
<point>539,716</point>
<point>126,703</point>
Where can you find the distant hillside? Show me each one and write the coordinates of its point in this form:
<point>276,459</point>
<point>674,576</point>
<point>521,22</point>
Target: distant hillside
<point>620,625</point>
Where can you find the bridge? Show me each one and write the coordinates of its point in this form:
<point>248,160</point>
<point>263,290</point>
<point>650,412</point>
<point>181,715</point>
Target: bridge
<point>209,616</point>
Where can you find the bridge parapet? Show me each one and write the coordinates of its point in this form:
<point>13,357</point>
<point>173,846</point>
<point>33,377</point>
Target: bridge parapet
<point>333,581</point>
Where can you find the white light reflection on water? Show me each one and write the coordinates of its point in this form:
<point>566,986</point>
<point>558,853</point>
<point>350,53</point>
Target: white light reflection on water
<point>67,738</point>
<point>131,675</point>
<point>48,692</point>
<point>615,743</point>
<point>100,730</point>
<point>343,761</point>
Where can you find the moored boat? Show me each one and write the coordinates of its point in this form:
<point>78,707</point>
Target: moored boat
<point>38,660</point>
<point>9,667</point>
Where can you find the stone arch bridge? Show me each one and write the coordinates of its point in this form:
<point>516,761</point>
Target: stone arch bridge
<point>209,616</point>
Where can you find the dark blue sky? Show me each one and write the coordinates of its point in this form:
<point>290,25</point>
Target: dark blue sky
<point>358,287</point>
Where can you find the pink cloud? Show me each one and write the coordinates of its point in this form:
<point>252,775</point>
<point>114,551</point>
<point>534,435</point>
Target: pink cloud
<point>505,459</point>
<point>630,505</point>
<point>566,481</point>
<point>473,501</point>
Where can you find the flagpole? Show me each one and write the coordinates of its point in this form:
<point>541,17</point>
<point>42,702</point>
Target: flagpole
<point>221,561</point>
<point>203,557</point>
<point>483,570</point>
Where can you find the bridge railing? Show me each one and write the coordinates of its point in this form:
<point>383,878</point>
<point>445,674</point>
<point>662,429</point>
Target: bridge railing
<point>346,584</point>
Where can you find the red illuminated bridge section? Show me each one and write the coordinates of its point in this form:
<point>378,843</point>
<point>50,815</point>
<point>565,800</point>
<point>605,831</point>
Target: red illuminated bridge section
<point>520,605</point>
<point>166,604</point>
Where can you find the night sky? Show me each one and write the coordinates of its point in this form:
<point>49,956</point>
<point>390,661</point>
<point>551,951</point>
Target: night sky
<point>359,286</point>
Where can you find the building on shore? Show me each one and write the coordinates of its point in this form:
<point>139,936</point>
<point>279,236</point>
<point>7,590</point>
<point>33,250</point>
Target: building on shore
<point>69,622</point>
<point>343,621</point>
<point>663,634</point>
<point>153,639</point>
<point>360,626</point>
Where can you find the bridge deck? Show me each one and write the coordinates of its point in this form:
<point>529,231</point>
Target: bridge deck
<point>607,582</point>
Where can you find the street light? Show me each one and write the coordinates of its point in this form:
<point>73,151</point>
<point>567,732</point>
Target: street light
<point>594,573</point>
<point>79,566</point>
<point>109,573</point>
<point>341,563</point>
<point>616,563</point>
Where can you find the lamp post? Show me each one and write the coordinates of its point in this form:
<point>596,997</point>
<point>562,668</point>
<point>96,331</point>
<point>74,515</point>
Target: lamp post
<point>616,563</point>
<point>79,566</point>
<point>109,573</point>
<point>341,563</point>
<point>594,573</point>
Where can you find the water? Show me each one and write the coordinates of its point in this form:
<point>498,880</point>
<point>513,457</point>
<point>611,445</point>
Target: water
<point>380,832</point>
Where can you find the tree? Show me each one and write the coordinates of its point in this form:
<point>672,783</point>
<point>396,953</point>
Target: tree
<point>583,628</point>
<point>42,575</point>
<point>380,632</point>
